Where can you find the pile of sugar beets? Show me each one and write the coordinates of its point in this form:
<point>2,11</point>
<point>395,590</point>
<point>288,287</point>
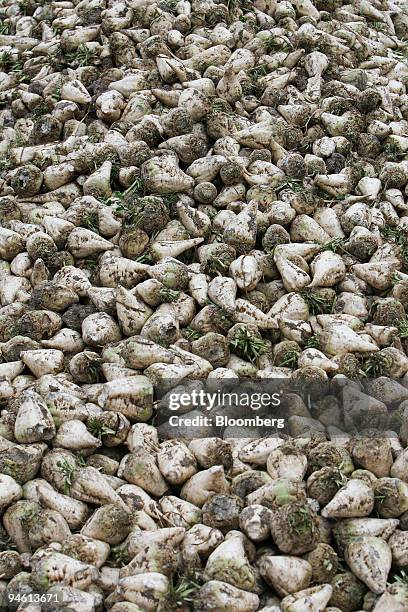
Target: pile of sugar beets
<point>203,191</point>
